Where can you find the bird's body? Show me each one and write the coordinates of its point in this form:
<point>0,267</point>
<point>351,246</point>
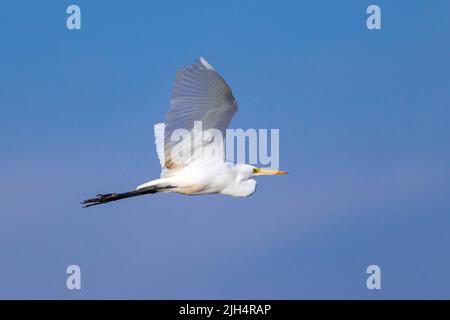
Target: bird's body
<point>199,95</point>
<point>221,177</point>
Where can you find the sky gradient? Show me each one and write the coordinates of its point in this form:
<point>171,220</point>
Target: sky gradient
<point>364,133</point>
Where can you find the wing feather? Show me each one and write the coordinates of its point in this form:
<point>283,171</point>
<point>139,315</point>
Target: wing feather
<point>159,129</point>
<point>199,94</point>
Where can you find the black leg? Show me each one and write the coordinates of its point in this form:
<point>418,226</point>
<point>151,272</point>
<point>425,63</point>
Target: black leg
<point>105,198</point>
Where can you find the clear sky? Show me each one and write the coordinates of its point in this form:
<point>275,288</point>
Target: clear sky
<point>364,131</point>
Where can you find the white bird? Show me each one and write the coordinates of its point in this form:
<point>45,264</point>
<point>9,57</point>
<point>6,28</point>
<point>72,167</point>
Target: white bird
<point>199,94</point>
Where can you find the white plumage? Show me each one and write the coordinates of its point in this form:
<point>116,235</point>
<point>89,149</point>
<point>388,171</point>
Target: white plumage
<point>199,94</point>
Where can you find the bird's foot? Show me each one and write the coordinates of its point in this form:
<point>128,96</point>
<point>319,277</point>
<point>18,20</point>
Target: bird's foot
<point>99,199</point>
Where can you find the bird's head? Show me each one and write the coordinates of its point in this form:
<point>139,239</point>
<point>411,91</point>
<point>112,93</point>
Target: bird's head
<point>249,171</point>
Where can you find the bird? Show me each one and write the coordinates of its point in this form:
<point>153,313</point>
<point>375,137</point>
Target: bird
<point>199,94</point>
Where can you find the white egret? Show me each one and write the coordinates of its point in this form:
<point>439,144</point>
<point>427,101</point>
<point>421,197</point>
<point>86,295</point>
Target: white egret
<point>199,94</point>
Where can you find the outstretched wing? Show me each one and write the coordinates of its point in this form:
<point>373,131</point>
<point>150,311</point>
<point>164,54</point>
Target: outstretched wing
<point>199,94</point>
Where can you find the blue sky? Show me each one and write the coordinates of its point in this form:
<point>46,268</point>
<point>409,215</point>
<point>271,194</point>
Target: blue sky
<point>364,132</point>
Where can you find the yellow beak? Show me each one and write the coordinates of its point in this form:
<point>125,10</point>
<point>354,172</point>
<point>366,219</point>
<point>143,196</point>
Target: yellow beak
<point>267,172</point>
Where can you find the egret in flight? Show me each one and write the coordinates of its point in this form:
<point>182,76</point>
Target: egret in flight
<point>199,94</point>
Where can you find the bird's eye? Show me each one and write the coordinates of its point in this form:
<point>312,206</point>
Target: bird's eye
<point>255,170</point>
